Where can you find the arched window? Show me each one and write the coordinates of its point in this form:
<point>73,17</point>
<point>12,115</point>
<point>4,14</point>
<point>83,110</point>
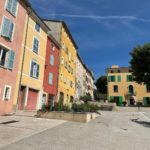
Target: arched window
<point>131,89</point>
<point>52,60</point>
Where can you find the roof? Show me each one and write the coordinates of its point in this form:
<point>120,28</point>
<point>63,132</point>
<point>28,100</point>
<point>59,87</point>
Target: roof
<point>28,4</point>
<point>67,29</point>
<point>33,13</point>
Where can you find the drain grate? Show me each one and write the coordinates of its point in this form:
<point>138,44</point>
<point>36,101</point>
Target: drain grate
<point>9,122</point>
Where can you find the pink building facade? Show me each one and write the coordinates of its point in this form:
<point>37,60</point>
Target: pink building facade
<point>12,23</point>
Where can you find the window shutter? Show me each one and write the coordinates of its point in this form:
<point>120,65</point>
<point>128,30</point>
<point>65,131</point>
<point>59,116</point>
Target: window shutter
<point>35,45</point>
<point>127,78</point>
<point>31,70</point>
<point>51,78</point>
<point>11,56</point>
<point>9,4</point>
<point>11,27</point>
<point>52,60</point>
<point>14,7</point>
<point>119,78</point>
<point>38,67</point>
<point>5,27</point>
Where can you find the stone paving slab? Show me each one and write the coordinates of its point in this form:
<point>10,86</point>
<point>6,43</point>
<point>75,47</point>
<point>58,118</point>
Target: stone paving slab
<point>25,127</point>
<point>110,131</point>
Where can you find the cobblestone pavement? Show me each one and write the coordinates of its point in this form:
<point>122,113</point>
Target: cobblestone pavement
<point>111,131</point>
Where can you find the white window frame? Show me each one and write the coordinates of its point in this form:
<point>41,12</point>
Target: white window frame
<point>53,46</point>
<point>6,98</point>
<point>30,69</point>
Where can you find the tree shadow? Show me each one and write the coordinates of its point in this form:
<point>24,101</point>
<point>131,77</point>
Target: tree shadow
<point>143,123</point>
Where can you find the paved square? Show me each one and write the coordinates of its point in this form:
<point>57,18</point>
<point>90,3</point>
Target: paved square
<point>111,131</point>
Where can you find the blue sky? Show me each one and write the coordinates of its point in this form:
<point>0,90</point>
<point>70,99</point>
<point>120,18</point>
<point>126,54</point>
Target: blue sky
<point>105,31</point>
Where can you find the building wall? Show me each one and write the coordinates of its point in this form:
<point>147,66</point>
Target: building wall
<point>27,81</point>
<point>140,90</point>
<point>51,89</point>
<point>64,76</point>
<point>8,77</point>
<point>79,78</point>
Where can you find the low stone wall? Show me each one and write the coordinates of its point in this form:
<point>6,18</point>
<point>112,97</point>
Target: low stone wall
<point>77,117</point>
<point>108,107</point>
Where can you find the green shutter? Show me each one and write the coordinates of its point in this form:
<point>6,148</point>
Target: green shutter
<point>145,101</point>
<point>120,100</point>
<point>109,79</point>
<point>119,78</point>
<point>111,98</point>
<point>10,62</point>
<point>127,78</point>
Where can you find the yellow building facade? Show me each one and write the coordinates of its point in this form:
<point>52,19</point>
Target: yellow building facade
<point>67,61</point>
<point>122,88</point>
<point>32,63</point>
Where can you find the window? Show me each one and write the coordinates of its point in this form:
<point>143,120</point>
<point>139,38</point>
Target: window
<point>6,58</point>
<point>7,28</point>
<point>62,60</point>
<point>7,92</point>
<point>34,71</point>
<point>51,78</point>
<point>118,71</point>
<point>35,45</point>
<point>52,60</point>
<point>115,88</point>
<point>11,6</point>
<point>111,78</point>
<point>112,71</point>
<point>53,47</point>
<point>63,45</point>
<point>129,78</point>
<point>131,89</point>
<point>148,88</point>
<point>69,56</point>
<point>37,27</point>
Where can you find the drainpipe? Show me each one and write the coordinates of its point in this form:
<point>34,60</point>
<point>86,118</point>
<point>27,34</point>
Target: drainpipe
<point>25,43</point>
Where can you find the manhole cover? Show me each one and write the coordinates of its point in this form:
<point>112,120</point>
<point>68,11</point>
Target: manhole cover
<point>8,122</point>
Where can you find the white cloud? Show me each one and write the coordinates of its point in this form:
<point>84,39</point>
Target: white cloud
<point>95,17</point>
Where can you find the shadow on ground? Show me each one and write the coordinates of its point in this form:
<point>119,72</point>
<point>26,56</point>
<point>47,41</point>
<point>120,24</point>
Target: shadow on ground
<point>143,123</point>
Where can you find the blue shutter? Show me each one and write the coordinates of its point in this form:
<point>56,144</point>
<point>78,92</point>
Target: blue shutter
<point>35,45</point>
<point>31,69</point>
<point>9,5</point>
<point>5,27</point>
<point>51,78</point>
<point>14,7</point>
<point>37,73</point>
<point>11,56</point>
<point>11,27</point>
<point>52,60</point>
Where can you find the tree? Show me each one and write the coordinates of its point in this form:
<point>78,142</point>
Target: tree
<point>140,64</point>
<point>101,84</point>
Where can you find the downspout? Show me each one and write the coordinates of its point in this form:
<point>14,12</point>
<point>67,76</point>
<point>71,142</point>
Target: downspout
<point>25,43</point>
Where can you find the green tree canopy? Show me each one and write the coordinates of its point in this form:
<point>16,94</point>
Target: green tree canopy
<point>101,84</point>
<point>140,64</point>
